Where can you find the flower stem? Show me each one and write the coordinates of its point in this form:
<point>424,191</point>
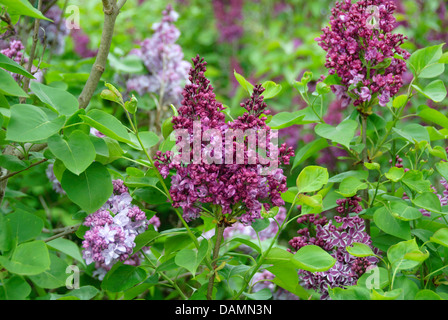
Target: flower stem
<point>219,236</point>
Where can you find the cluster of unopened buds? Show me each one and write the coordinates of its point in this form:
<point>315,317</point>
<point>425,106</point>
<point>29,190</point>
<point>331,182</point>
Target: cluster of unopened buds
<point>399,163</point>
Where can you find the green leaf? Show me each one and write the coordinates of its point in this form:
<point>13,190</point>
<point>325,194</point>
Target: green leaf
<point>359,174</point>
<point>9,86</point>
<point>107,124</point>
<point>428,201</point>
<point>131,105</point>
<point>360,250</point>
<point>309,150</point>
<point>247,243</point>
<point>313,258</point>
<point>28,258</point>
<point>399,101</point>
<point>413,179</point>
<point>24,226</point>
<point>191,259</point>
<point>30,124</point>
<point>83,293</point>
<point>54,277</point>
<point>376,277</point>
<point>413,132</point>
<point>144,238</point>
<point>395,174</point>
<point>440,237</point>
<point>350,186</point>
<point>12,163</point>
<point>390,225</point>
<point>396,255</point>
<point>312,178</point>
<point>435,91</point>
<point>372,166</point>
<point>89,190</point>
<point>442,168</point>
<point>388,295</point>
<point>310,204</point>
<point>5,234</point>
<point>77,152</point>
<point>24,8</point>
<point>351,293</point>
<point>433,115</point>
<point>244,83</point>
<point>12,66</point>
<point>263,294</point>
<point>272,89</point>
<point>67,247</point>
<point>423,60</point>
<point>14,288</point>
<point>427,294</point>
<point>57,99</point>
<point>286,119</point>
<point>123,277</point>
<point>260,224</point>
<point>149,139</point>
<point>343,133</point>
<point>402,211</point>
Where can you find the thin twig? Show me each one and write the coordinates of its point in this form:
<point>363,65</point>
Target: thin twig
<point>66,231</point>
<point>17,172</point>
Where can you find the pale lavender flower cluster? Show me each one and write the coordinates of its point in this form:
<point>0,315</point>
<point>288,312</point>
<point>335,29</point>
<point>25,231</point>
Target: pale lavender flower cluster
<point>113,229</point>
<point>228,16</point>
<point>232,186</point>
<point>361,50</point>
<point>163,58</point>
<point>333,237</point>
<point>54,32</point>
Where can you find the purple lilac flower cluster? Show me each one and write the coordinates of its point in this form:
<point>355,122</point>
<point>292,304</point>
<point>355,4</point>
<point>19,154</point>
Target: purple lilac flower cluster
<point>113,229</point>
<point>333,237</point>
<point>163,58</point>
<point>81,43</point>
<point>361,50</point>
<point>228,15</point>
<point>233,186</point>
<point>54,32</point>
